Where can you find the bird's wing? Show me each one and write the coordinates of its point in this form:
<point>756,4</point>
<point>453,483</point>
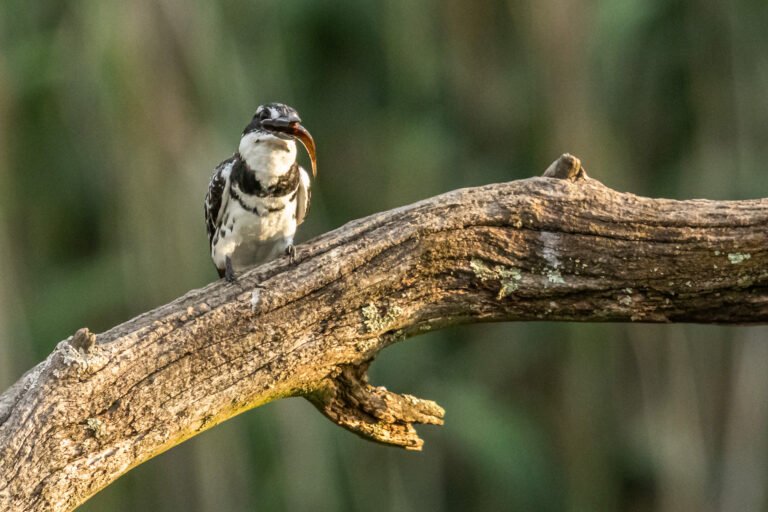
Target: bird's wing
<point>303,196</point>
<point>217,197</point>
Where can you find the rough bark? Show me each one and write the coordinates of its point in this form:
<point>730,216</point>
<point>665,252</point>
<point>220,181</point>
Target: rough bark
<point>566,249</point>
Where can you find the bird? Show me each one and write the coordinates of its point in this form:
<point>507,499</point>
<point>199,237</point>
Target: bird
<point>259,196</point>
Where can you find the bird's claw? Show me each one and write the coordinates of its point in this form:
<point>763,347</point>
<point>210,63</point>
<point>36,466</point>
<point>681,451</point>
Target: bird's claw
<point>229,273</point>
<point>290,251</point>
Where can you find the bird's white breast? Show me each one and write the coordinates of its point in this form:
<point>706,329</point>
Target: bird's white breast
<point>250,238</point>
<point>270,157</point>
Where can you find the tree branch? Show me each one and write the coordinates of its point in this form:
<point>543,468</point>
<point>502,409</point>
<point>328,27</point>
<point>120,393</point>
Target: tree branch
<point>538,249</point>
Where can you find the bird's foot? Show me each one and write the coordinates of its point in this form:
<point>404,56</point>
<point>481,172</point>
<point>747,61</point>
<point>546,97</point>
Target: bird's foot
<point>229,273</point>
<point>290,251</point>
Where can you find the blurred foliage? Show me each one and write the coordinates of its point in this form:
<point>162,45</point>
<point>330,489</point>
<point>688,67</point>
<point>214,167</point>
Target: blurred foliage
<point>113,114</point>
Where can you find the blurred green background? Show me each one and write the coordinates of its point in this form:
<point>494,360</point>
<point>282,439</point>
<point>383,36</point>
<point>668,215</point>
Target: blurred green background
<point>113,114</point>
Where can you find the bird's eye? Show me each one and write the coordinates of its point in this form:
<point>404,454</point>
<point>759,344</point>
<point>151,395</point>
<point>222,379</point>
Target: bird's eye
<point>264,114</point>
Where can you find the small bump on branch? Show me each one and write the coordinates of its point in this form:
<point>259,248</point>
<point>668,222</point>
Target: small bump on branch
<point>567,167</point>
<point>373,412</point>
<point>83,340</point>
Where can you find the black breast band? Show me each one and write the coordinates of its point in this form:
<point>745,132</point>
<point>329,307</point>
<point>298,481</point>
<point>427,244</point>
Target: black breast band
<point>248,183</point>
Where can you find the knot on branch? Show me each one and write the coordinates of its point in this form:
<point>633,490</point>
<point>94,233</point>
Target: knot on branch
<point>78,355</point>
<point>83,340</point>
<point>373,412</point>
<point>567,167</point>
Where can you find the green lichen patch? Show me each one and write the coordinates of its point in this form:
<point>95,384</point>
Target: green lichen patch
<point>96,427</point>
<point>554,276</point>
<point>738,257</point>
<point>366,345</point>
<point>508,277</point>
<point>745,281</point>
<point>374,320</point>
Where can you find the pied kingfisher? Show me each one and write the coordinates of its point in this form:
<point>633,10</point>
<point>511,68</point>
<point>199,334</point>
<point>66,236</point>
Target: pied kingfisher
<point>258,197</point>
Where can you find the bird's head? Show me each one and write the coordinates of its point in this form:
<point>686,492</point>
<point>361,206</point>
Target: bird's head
<point>283,122</point>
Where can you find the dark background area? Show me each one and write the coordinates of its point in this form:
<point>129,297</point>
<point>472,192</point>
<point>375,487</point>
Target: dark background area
<point>113,115</point>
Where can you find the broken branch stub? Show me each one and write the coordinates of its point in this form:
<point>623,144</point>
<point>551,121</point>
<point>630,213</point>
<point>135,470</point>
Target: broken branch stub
<point>374,413</point>
<point>567,167</point>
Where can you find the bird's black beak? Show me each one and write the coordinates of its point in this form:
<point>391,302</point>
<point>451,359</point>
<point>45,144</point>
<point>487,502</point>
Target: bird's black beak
<point>291,125</point>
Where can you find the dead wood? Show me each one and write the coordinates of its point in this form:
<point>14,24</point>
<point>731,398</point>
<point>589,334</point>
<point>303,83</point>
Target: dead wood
<point>562,247</point>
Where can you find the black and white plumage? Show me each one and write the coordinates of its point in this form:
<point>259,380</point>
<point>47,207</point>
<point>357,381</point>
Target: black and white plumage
<point>257,198</point>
